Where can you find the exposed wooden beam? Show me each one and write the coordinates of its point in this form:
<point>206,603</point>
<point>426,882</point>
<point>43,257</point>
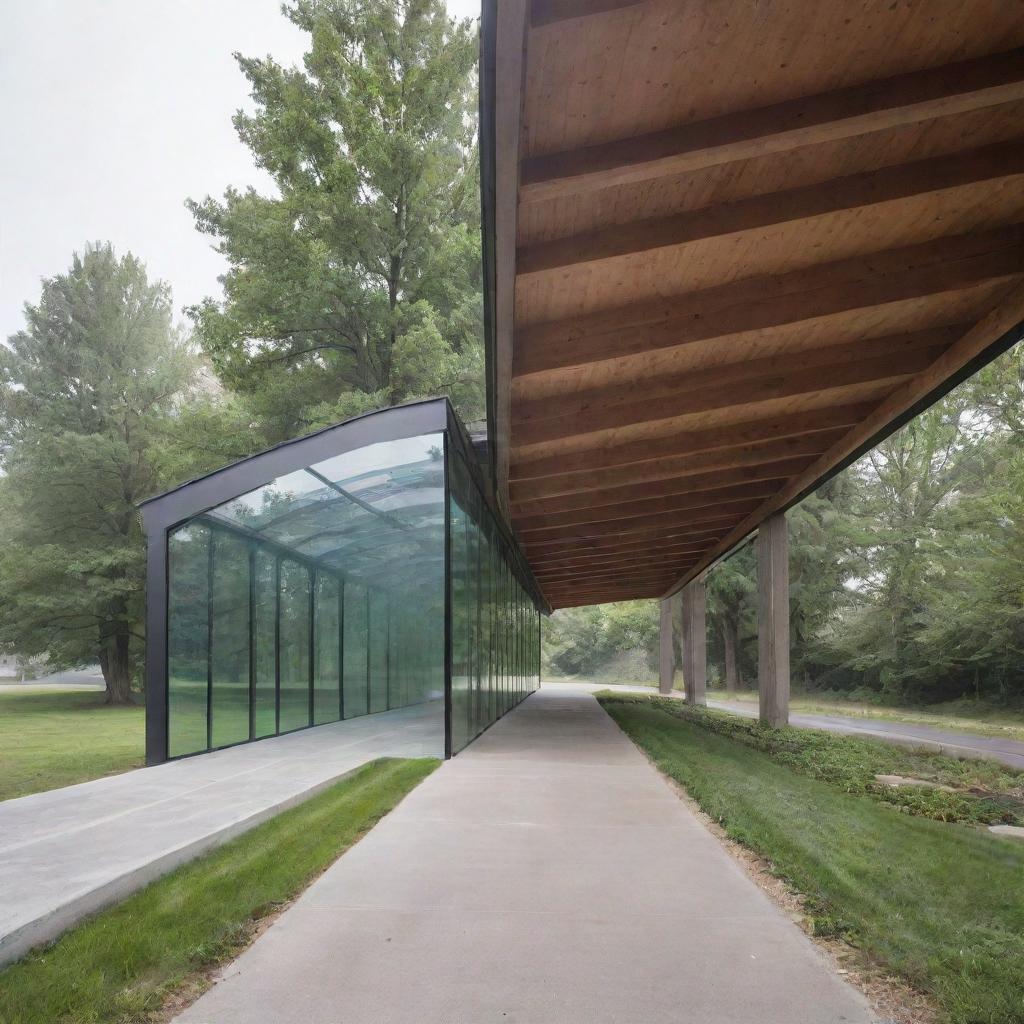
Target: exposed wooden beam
<point>663,575</point>
<point>638,579</point>
<point>548,12</point>
<point>772,471</point>
<point>729,377</point>
<point>856,191</point>
<point>653,557</point>
<point>754,303</point>
<point>623,528</point>
<point>652,552</point>
<point>844,113</point>
<point>1004,322</point>
<point>577,602</point>
<point>710,444</point>
<point>509,71</point>
<point>602,592</point>
<point>736,395</point>
<point>714,499</point>
<point>723,461</point>
<point>639,540</point>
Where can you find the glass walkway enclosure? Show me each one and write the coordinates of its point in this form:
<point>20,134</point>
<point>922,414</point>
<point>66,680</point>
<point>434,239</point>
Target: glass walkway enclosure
<point>357,570</point>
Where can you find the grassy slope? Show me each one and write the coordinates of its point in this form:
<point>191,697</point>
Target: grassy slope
<point>984,792</point>
<point>941,904</point>
<point>57,739</point>
<point>120,965</point>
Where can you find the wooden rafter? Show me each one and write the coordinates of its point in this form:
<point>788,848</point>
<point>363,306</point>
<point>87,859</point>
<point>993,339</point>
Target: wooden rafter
<point>979,167</point>
<point>844,113</point>
<point>745,249</point>
<point>863,282</point>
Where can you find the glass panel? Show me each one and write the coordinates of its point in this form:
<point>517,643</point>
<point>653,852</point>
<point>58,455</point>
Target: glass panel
<point>357,695</point>
<point>378,632</point>
<point>493,623</point>
<point>294,587</point>
<point>461,727</point>
<point>188,639</point>
<point>264,644</point>
<point>326,679</point>
<point>229,640</point>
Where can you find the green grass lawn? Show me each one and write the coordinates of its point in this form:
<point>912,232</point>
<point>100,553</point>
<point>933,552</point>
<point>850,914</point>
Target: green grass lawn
<point>940,904</point>
<point>122,965</point>
<point>57,739</point>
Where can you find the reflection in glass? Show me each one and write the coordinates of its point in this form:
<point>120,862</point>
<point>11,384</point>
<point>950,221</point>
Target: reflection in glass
<point>326,676</point>
<point>321,595</point>
<point>378,633</point>
<point>265,643</point>
<point>354,652</point>
<point>294,643</point>
<point>229,640</point>
<point>188,639</point>
<point>494,643</point>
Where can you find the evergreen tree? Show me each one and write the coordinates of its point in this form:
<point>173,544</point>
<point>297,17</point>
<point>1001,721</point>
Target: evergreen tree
<point>358,283</point>
<point>88,391</point>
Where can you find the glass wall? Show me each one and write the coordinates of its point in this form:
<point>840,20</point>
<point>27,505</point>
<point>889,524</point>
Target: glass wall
<point>315,597</point>
<point>495,622</point>
<point>322,595</point>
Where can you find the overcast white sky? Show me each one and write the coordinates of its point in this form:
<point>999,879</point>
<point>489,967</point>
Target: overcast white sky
<point>114,111</point>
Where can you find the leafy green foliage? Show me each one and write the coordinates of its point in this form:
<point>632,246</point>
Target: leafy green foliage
<point>358,284</point>
<point>586,641</point>
<point>939,904</point>
<point>88,393</point>
<point>123,964</point>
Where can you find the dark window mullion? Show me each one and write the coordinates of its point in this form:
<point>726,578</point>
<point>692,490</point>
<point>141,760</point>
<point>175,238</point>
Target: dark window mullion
<point>277,645</point>
<point>252,641</point>
<point>312,645</point>
<point>209,640</point>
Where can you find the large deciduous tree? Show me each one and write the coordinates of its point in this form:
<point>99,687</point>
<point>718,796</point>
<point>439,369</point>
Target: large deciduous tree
<point>88,392</point>
<point>358,283</point>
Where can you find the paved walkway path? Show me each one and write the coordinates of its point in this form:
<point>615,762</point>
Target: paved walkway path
<point>68,852</point>
<point>546,875</point>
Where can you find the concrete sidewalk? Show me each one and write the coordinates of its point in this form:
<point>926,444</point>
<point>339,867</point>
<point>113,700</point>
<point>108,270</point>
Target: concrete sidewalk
<point>68,852</point>
<point>546,875</point>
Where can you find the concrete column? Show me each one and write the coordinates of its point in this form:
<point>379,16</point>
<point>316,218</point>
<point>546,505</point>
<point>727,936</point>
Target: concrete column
<point>695,661</point>
<point>773,620</point>
<point>668,666</point>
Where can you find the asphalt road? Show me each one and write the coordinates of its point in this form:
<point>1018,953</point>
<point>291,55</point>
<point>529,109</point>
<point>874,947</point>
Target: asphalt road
<point>955,744</point>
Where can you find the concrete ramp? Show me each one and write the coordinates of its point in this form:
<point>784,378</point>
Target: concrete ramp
<point>69,852</point>
<point>546,874</point>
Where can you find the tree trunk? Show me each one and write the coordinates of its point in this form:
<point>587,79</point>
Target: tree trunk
<point>116,665</point>
<point>729,643</point>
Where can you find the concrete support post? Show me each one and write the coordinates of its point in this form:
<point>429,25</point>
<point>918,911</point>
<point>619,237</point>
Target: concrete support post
<point>668,665</point>
<point>695,661</point>
<point>773,620</point>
